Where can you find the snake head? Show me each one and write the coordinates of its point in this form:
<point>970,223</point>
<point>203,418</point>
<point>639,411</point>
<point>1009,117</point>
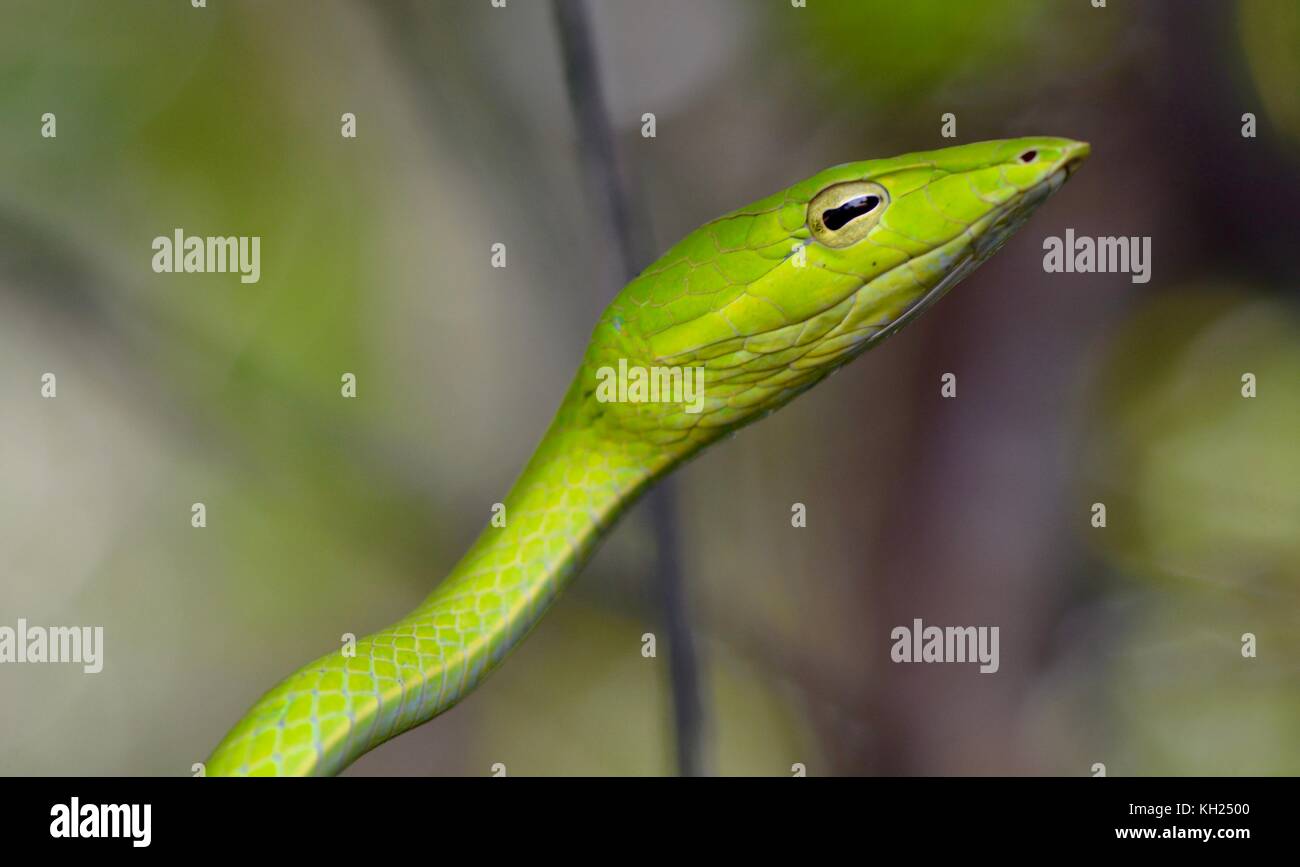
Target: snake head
<point>764,302</point>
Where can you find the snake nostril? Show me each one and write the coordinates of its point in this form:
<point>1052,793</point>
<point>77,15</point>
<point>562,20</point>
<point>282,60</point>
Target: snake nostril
<point>1029,156</point>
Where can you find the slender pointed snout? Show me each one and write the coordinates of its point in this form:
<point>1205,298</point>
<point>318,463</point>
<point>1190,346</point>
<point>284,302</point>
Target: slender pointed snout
<point>1074,155</point>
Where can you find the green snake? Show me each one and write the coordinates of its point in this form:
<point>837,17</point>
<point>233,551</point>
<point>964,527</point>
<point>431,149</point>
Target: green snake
<point>756,306</point>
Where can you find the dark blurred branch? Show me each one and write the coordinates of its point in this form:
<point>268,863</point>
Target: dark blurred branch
<point>606,184</point>
<point>598,158</point>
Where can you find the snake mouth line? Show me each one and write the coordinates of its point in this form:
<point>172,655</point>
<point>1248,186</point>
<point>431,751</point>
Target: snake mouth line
<point>983,243</point>
<point>997,227</point>
<point>1081,151</point>
<point>1023,203</point>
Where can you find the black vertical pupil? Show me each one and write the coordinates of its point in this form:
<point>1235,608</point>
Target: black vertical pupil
<point>837,218</point>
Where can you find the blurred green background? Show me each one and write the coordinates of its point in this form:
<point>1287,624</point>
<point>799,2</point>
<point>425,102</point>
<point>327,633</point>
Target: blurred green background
<point>1118,645</point>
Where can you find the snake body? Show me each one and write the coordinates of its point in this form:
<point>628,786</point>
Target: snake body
<point>764,302</point>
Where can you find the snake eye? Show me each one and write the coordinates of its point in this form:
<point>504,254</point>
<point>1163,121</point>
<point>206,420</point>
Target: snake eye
<point>1029,156</point>
<point>843,214</point>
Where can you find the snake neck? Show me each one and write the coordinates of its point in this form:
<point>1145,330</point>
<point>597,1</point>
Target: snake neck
<point>318,720</point>
<point>577,484</point>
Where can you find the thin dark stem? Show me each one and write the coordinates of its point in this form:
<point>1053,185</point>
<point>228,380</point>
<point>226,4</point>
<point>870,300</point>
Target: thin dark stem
<point>683,662</point>
<point>599,159</point>
<point>605,182</point>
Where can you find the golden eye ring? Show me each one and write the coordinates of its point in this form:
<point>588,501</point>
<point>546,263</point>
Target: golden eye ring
<point>843,214</point>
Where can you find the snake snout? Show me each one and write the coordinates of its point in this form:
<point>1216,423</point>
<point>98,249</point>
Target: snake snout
<point>1074,156</point>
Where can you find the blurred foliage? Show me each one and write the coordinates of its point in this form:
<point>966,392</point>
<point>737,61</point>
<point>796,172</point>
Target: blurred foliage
<point>909,55</point>
<point>1184,701</point>
<point>1203,483</point>
<point>596,706</point>
<point>328,515</point>
<point>1202,488</point>
<point>1270,37</point>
